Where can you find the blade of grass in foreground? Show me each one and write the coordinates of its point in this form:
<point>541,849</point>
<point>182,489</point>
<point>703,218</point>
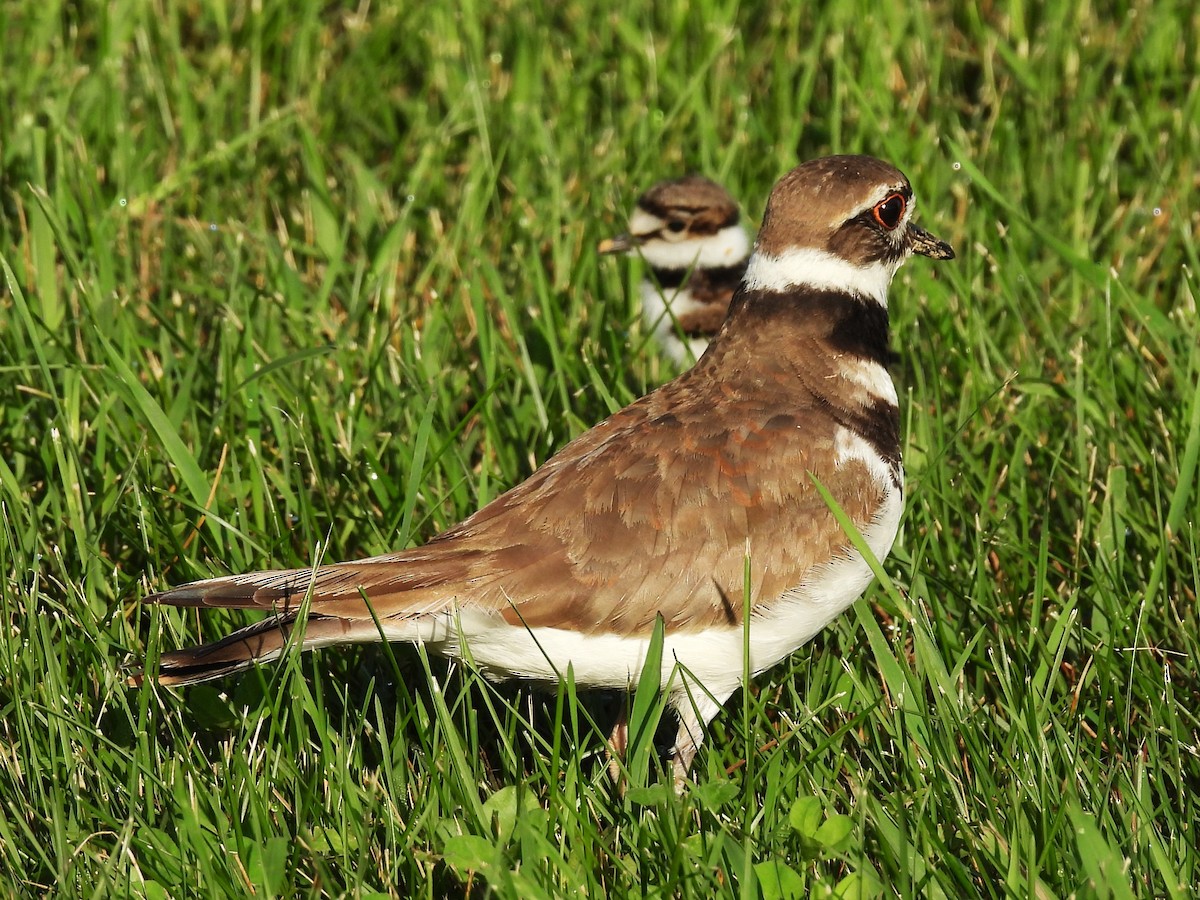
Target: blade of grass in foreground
<point>193,477</point>
<point>646,710</point>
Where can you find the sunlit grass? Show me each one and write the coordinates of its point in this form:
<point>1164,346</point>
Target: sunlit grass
<point>295,282</point>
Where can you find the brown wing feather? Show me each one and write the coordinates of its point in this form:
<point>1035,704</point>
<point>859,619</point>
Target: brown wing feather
<point>622,537</point>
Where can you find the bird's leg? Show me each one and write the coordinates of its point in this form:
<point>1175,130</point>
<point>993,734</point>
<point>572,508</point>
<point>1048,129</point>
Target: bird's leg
<point>695,711</point>
<point>683,753</point>
<point>618,743</point>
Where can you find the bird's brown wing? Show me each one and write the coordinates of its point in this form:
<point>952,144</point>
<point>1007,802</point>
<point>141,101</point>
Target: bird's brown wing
<point>652,512</point>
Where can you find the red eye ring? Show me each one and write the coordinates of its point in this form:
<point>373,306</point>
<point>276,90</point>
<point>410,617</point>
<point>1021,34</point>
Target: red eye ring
<point>889,211</point>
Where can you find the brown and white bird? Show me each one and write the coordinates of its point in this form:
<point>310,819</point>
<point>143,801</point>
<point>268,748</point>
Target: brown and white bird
<point>689,231</point>
<point>659,509</point>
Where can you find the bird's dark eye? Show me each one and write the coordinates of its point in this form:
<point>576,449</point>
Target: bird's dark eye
<point>889,211</point>
<point>676,226</point>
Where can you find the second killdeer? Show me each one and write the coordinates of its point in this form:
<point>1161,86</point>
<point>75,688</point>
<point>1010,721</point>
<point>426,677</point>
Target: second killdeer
<point>690,233</point>
<point>661,510</point>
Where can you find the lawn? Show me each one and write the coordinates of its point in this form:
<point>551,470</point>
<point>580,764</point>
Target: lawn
<point>290,282</point>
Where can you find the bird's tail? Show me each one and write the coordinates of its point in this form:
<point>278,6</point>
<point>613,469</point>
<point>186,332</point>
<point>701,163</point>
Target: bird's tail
<point>280,593</point>
<point>255,644</point>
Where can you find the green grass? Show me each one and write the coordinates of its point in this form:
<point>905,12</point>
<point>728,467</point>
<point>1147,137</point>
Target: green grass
<point>302,281</point>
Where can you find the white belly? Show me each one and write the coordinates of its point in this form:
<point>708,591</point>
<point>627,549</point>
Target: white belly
<point>712,656</point>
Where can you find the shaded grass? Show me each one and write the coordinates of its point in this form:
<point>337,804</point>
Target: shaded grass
<point>302,282</point>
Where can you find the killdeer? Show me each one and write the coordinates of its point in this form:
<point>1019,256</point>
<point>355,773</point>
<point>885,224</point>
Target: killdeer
<point>659,509</point>
<point>689,232</point>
